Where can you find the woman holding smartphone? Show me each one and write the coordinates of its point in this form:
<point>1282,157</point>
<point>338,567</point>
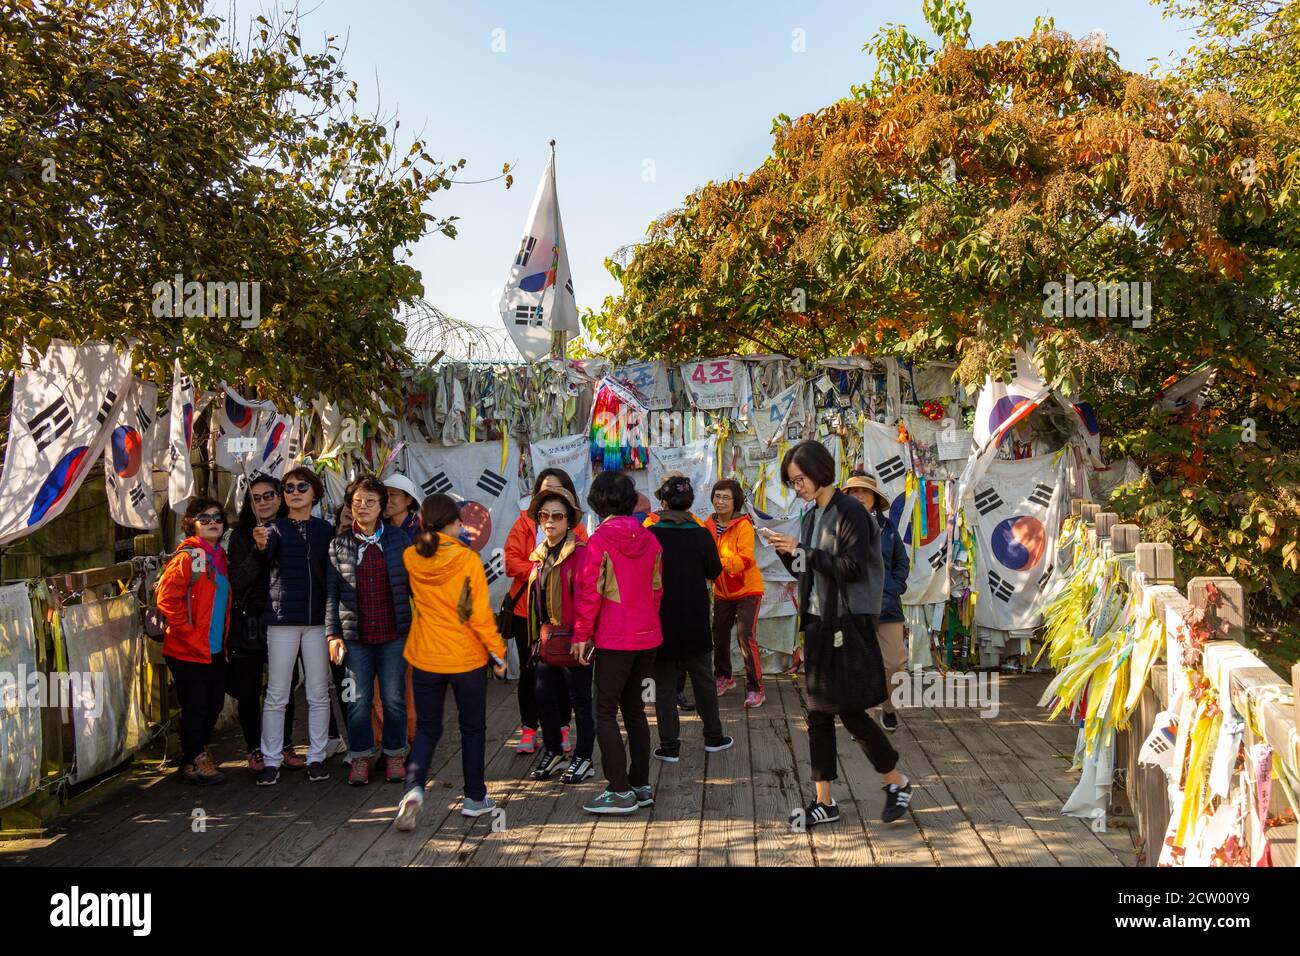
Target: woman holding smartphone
<point>453,634</point>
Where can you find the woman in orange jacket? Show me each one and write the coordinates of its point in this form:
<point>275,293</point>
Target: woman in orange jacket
<point>453,634</point>
<point>193,594</point>
<point>737,592</point>
<point>523,539</point>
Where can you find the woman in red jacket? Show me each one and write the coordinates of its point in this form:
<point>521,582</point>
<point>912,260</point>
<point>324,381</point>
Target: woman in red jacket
<point>524,537</point>
<point>193,593</point>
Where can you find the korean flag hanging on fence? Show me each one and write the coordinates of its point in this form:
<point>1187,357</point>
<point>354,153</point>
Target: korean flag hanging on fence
<point>62,415</point>
<point>180,439</point>
<point>128,459</point>
<point>239,418</point>
<point>999,402</point>
<point>538,296</point>
<point>1016,514</point>
<point>918,509</point>
<point>487,485</point>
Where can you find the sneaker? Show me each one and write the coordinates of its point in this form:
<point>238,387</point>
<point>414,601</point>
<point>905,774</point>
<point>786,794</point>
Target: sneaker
<point>725,684</point>
<point>645,796</point>
<point>394,768</point>
<point>204,771</point>
<point>290,760</point>
<point>359,773</point>
<point>683,703</point>
<point>549,763</point>
<point>897,801</point>
<point>889,721</point>
<point>668,754</point>
<point>408,811</point>
<point>816,813</point>
<point>476,808</point>
<point>316,772</point>
<point>565,743</point>
<point>269,777</point>
<point>607,801</point>
<point>255,762</point>
<point>725,743</point>
<point>335,746</point>
<point>527,741</point>
<point>580,769</point>
<point>754,698</point>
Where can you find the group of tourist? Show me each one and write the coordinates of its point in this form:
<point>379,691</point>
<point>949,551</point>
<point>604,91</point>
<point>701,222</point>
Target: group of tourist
<point>390,606</point>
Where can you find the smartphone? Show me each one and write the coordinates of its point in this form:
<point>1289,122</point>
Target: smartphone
<point>765,534</point>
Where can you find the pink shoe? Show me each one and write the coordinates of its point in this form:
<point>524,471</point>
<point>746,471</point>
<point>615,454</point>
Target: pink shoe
<point>725,684</point>
<point>754,698</point>
<point>566,743</point>
<point>527,741</point>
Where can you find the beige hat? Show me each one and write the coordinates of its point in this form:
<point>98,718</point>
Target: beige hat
<point>536,503</point>
<point>866,483</point>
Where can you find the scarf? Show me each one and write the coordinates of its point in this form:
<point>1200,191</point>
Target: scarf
<point>215,555</point>
<point>366,540</point>
<point>545,562</point>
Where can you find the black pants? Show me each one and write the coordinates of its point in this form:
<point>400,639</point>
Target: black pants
<point>622,677</point>
<point>430,693</point>
<point>667,674</point>
<point>529,715</point>
<point>556,687</point>
<point>201,689</point>
<point>246,682</point>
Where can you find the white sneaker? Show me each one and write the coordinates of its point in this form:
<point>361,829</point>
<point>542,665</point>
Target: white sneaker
<point>408,811</point>
<point>476,808</point>
<point>335,745</point>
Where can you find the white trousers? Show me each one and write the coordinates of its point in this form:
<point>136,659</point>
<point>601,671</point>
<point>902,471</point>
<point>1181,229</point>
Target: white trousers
<point>283,644</point>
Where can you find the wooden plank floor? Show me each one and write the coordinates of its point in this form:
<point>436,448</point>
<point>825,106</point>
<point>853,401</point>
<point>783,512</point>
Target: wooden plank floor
<point>987,793</point>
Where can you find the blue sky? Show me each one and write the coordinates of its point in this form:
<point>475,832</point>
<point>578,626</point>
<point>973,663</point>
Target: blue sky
<point>646,102</point>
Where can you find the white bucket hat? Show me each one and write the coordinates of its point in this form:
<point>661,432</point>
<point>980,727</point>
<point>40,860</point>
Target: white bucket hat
<point>402,483</point>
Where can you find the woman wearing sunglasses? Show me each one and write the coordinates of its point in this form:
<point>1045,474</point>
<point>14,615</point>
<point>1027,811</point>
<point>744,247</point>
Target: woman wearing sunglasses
<point>297,552</point>
<point>193,593</point>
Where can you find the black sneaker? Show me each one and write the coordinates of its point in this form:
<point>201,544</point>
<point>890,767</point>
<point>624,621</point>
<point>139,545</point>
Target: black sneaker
<point>580,769</point>
<point>669,754</point>
<point>683,703</point>
<point>897,801</point>
<point>645,796</point>
<point>814,814</point>
<point>723,743</point>
<point>889,721</point>
<point>316,772</point>
<point>549,763</point>
<point>268,777</point>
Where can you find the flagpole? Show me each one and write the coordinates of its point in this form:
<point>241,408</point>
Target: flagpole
<point>557,336</point>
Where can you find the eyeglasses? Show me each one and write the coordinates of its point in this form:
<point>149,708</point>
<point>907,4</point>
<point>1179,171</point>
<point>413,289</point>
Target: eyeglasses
<point>551,516</point>
<point>797,481</point>
<point>722,496</point>
<point>211,517</point>
<point>365,502</point>
<point>266,496</point>
<point>297,488</point>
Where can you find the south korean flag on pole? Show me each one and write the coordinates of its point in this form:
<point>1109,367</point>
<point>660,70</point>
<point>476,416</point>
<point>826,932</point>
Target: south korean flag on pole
<point>538,296</point>
<point>128,459</point>
<point>486,487</point>
<point>1015,512</point>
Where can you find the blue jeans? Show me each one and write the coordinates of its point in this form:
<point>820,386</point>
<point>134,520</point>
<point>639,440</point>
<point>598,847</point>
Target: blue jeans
<point>430,692</point>
<point>363,662</point>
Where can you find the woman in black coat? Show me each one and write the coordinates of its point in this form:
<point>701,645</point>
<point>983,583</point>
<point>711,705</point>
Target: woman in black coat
<point>690,562</point>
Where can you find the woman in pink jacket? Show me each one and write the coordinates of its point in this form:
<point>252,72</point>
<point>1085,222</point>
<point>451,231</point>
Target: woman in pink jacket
<point>617,597</point>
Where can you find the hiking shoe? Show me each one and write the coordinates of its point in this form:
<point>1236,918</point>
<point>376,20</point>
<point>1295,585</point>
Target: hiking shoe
<point>725,684</point>
<point>669,754</point>
<point>754,698</point>
<point>290,760</point>
<point>316,771</point>
<point>566,744</point>
<point>549,763</point>
<point>255,762</point>
<point>889,721</point>
<point>476,808</point>
<point>205,772</point>
<point>897,801</point>
<point>580,769</point>
<point>359,773</point>
<point>408,811</point>
<point>269,777</point>
<point>815,813</point>
<point>607,801</point>
<point>527,741</point>
<point>683,703</point>
<point>723,743</point>
<point>394,768</point>
<point>645,796</point>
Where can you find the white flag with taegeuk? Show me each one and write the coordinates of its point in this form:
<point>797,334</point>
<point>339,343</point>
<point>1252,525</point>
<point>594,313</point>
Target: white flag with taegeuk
<point>128,459</point>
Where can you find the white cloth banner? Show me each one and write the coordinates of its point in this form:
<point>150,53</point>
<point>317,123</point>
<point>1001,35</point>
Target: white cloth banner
<point>1015,514</point>
<point>20,715</point>
<point>696,460</point>
<point>62,415</point>
<point>997,401</point>
<point>105,651</point>
<point>715,383</point>
<point>538,296</point>
<point>650,380</point>
<point>571,454</point>
<point>489,493</point>
<point>128,459</point>
<point>769,422</point>
<point>180,439</point>
<point>237,418</point>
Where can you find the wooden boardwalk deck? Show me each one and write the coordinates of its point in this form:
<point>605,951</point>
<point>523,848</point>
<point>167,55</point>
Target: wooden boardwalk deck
<point>988,793</point>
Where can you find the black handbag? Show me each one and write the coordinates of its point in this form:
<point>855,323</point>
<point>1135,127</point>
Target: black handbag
<point>506,616</point>
<point>843,666</point>
<point>247,634</point>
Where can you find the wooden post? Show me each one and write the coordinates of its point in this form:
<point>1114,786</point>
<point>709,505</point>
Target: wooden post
<point>146,545</point>
<point>1155,559</point>
<point>1106,520</point>
<point>1076,507</point>
<point>1124,538</point>
<point>1233,609</point>
<point>1090,511</point>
